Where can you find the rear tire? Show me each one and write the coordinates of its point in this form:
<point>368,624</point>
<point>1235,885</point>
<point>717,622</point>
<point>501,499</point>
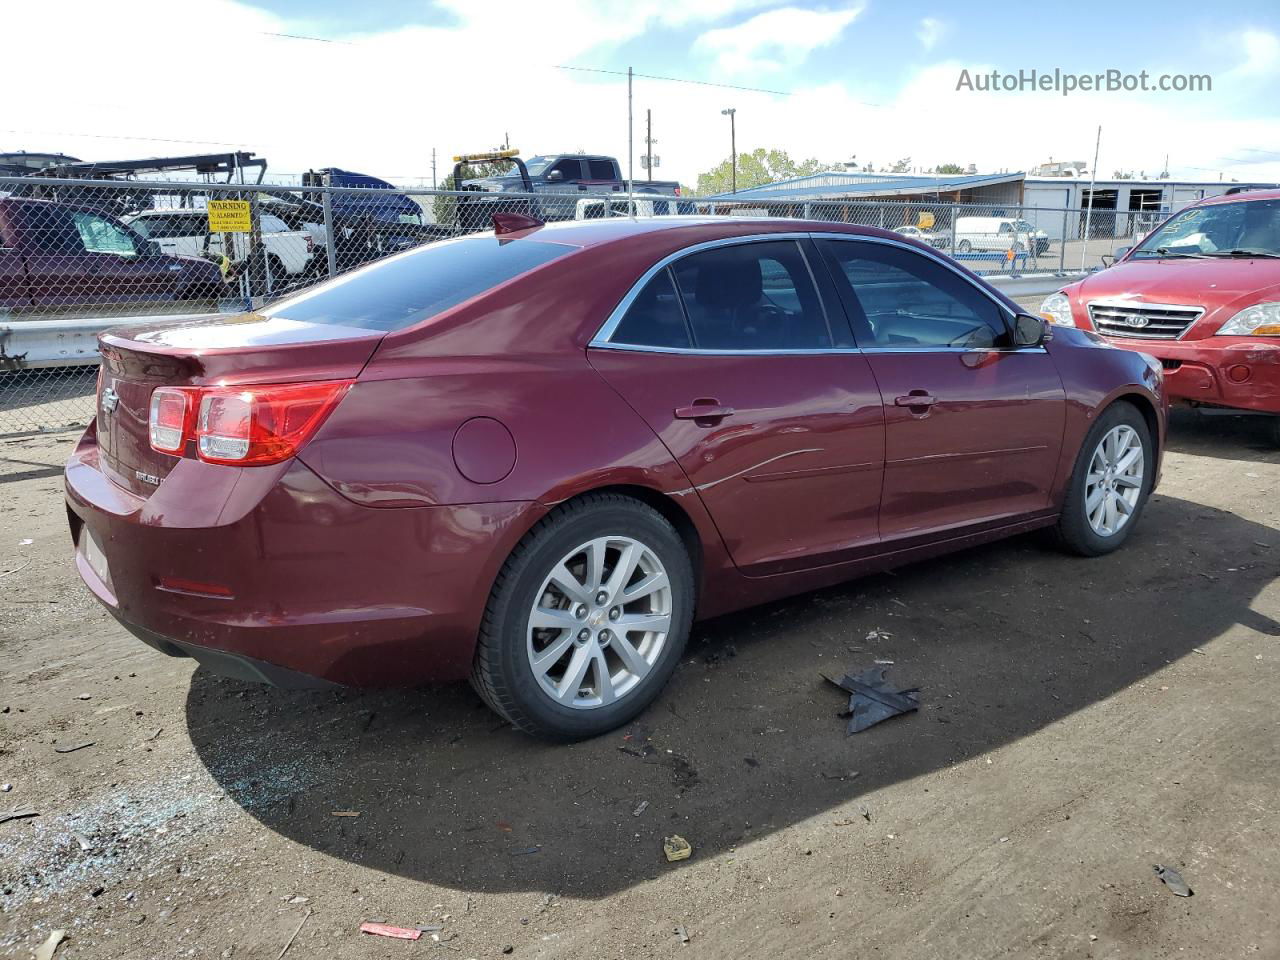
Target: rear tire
<point>964,246</point>
<point>566,660</point>
<point>1094,521</point>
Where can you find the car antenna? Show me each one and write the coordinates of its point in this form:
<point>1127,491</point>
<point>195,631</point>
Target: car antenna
<point>504,223</point>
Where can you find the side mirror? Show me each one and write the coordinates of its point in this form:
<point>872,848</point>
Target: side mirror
<point>152,249</point>
<point>1122,251</point>
<point>555,176</point>
<point>1028,331</point>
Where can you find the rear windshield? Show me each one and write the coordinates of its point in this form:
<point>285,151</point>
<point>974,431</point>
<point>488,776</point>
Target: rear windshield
<point>406,289</point>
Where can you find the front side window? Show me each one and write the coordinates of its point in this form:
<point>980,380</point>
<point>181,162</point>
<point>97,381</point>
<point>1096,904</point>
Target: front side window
<point>568,169</point>
<point>403,290</point>
<point>900,299</point>
<point>100,235</point>
<point>752,297</point>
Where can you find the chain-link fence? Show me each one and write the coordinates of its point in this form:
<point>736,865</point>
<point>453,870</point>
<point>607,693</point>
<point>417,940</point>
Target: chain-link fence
<point>77,257</point>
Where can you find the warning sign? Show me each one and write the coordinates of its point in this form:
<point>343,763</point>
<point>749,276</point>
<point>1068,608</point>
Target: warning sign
<point>229,216</point>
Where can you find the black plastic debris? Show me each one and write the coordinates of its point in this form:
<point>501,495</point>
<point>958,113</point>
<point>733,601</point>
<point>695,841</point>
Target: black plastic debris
<point>872,699</point>
<point>1173,880</point>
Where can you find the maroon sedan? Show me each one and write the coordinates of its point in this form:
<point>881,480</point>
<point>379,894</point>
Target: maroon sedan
<point>532,457</point>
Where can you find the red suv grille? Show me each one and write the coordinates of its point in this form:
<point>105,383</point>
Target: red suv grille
<point>1149,321</point>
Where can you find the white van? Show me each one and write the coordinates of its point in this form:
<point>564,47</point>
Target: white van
<point>999,233</point>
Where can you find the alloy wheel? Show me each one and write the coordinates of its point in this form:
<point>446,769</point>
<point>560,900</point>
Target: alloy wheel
<point>1113,485</point>
<point>599,623</point>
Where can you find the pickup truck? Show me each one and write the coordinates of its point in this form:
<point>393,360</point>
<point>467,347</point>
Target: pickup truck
<point>186,232</point>
<point>555,181</point>
<point>58,256</point>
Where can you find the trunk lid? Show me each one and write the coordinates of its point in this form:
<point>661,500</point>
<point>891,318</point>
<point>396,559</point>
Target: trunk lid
<point>226,350</point>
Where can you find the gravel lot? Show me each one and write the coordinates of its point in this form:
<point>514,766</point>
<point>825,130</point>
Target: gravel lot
<point>1081,720</point>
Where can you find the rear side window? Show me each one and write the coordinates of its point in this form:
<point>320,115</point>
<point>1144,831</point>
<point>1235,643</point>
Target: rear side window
<point>752,297</point>
<point>403,290</point>
<point>600,169</point>
<point>655,318</point>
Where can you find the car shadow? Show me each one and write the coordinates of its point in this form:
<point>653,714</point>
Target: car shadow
<point>1002,641</point>
<point>1222,436</point>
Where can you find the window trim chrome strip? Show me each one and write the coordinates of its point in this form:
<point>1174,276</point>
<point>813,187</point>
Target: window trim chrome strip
<point>602,340</point>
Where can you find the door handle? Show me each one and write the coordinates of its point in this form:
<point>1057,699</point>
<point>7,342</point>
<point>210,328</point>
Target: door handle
<point>705,413</point>
<point>916,398</point>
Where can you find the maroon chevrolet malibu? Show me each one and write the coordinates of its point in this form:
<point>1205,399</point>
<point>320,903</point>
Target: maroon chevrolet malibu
<point>532,457</point>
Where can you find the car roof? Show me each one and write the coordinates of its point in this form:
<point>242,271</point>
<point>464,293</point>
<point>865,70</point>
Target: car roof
<point>1241,197</point>
<point>691,229</point>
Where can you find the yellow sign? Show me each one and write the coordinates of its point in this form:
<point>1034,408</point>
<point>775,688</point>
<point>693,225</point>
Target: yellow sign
<point>229,216</point>
<point>926,220</point>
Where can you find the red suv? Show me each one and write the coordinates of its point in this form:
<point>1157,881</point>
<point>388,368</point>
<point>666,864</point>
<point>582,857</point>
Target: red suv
<point>1202,294</point>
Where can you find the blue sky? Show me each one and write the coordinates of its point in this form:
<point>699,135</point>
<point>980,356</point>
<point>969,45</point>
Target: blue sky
<point>868,78</point>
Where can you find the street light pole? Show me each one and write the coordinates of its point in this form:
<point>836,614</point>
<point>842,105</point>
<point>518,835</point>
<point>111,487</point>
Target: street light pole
<point>731,113</point>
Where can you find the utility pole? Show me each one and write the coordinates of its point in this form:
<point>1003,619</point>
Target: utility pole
<point>732,113</point>
<point>433,168</point>
<point>631,150</point>
<point>1088,216</point>
<point>648,142</point>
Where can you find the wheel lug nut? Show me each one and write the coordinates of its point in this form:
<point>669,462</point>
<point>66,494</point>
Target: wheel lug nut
<point>615,613</point>
<point>605,637</point>
<point>580,611</point>
<point>584,634</point>
<point>602,598</point>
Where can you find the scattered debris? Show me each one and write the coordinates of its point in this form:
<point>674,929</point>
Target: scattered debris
<point>1172,879</point>
<point>872,700</point>
<point>298,900</point>
<point>508,948</point>
<point>503,826</point>
<point>47,949</point>
<point>298,929</point>
<point>26,543</point>
<point>644,805</point>
<point>851,775</point>
<point>878,634</point>
<point>676,848</point>
<point>84,696</point>
<point>346,813</point>
<point>386,930</point>
<point>430,927</point>
<point>5,787</point>
<point>680,932</point>
<point>74,747</point>
<point>155,733</point>
<point>526,851</point>
<point>20,814</point>
<point>84,843</point>
<point>1004,839</point>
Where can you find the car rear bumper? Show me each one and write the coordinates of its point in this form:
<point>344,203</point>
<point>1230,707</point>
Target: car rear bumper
<point>1233,372</point>
<point>269,574</point>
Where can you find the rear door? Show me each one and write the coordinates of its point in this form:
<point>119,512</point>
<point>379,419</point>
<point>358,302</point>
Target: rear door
<point>13,273</point>
<point>973,426</point>
<point>727,353</point>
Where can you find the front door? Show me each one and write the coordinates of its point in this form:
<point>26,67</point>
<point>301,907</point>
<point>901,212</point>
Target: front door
<point>973,426</point>
<point>729,357</point>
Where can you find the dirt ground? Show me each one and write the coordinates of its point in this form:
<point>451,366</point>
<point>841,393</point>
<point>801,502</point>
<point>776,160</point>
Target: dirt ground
<point>1080,721</point>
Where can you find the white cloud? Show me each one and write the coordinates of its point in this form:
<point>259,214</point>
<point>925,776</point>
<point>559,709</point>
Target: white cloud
<point>1261,53</point>
<point>775,39</point>
<point>931,31</point>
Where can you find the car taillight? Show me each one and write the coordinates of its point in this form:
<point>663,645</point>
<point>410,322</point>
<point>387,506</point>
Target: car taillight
<point>170,419</point>
<point>243,426</point>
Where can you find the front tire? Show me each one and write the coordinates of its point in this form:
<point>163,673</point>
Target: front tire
<point>586,620</point>
<point>1110,484</point>
<point>964,246</point>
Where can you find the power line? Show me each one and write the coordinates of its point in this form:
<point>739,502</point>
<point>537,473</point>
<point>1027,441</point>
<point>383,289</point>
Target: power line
<point>117,136</point>
<point>298,36</point>
<point>700,83</point>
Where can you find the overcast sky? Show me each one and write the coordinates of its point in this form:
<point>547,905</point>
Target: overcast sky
<point>875,80</point>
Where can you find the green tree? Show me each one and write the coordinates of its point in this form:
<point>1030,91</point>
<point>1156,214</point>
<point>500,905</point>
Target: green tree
<point>902,166</point>
<point>948,168</point>
<point>757,168</point>
<point>444,207</point>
